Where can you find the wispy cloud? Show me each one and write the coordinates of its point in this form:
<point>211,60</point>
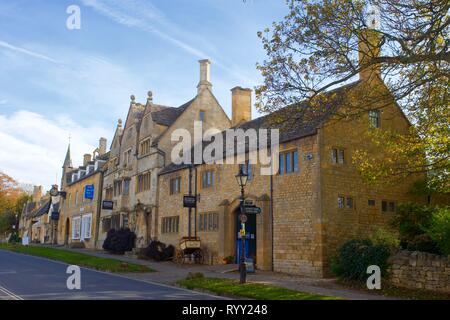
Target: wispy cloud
<point>144,16</point>
<point>30,53</point>
<point>139,14</point>
<point>4,101</point>
<point>33,146</point>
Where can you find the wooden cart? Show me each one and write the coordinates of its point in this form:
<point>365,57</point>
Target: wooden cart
<point>190,250</point>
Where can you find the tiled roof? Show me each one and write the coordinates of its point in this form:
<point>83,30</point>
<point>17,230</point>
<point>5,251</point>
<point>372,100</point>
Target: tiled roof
<point>167,115</point>
<point>294,122</point>
<point>43,209</point>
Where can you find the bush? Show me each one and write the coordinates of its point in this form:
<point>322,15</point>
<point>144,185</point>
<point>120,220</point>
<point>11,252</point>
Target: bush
<point>356,255</point>
<point>159,251</point>
<point>423,243</point>
<point>439,229</point>
<point>411,220</point>
<point>386,238</point>
<point>14,238</point>
<point>119,241</point>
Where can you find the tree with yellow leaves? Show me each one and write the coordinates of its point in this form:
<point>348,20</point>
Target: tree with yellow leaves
<point>317,47</point>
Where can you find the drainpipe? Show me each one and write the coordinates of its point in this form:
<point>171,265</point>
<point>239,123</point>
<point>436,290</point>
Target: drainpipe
<point>196,200</point>
<point>271,214</point>
<point>99,208</point>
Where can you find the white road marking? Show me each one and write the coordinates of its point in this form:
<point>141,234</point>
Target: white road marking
<point>10,294</point>
<point>192,292</point>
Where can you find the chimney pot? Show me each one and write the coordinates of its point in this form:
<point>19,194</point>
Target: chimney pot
<point>204,75</point>
<point>241,104</point>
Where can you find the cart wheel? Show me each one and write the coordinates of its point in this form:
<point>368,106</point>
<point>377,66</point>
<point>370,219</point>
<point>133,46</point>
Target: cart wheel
<point>199,256</point>
<point>179,257</point>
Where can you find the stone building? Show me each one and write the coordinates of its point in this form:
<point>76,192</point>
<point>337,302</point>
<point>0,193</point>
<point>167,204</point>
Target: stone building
<point>35,221</point>
<point>315,202</point>
<point>142,147</point>
<point>80,209</point>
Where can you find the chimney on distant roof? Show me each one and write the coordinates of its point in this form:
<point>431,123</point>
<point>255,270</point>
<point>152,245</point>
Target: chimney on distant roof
<point>37,193</point>
<point>204,75</point>
<point>86,159</point>
<point>241,105</point>
<point>369,47</point>
<point>102,146</point>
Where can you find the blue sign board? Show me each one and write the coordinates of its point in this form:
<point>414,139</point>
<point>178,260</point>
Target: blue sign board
<point>89,191</point>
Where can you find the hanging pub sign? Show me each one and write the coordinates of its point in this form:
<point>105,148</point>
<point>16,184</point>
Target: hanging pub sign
<point>107,205</point>
<point>89,191</point>
<point>189,201</point>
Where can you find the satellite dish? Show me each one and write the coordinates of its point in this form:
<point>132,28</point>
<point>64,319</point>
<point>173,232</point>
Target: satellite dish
<point>373,17</point>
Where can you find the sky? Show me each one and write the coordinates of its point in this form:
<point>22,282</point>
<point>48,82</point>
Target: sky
<point>57,83</point>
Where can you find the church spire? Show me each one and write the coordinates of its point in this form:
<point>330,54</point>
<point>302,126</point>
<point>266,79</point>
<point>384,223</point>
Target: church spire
<point>68,159</point>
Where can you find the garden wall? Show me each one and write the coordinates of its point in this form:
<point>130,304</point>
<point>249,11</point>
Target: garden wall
<point>420,270</point>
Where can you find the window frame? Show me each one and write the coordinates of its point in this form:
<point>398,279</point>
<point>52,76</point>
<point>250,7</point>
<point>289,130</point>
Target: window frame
<point>208,179</point>
<point>83,226</point>
<point>76,221</point>
<point>290,166</point>
<point>175,185</point>
<point>375,121</point>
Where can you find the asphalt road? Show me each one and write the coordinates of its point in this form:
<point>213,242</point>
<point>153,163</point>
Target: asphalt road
<point>33,278</point>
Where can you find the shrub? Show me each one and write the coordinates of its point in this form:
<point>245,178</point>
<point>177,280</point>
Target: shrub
<point>14,238</point>
<point>424,243</point>
<point>439,229</point>
<point>119,241</point>
<point>159,251</point>
<point>356,255</point>
<point>411,220</point>
<point>386,238</point>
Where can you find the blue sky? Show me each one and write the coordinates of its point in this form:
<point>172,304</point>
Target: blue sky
<point>55,81</point>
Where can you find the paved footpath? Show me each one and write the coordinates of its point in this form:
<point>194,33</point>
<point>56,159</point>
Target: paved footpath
<point>169,273</point>
<point>28,277</point>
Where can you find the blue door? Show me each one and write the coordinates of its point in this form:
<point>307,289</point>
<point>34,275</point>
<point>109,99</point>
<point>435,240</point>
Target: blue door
<point>250,237</point>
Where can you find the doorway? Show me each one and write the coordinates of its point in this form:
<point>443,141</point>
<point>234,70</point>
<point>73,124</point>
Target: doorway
<point>250,236</point>
<point>66,234</point>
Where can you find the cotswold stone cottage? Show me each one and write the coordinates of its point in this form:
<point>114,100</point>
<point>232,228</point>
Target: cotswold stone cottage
<point>141,148</point>
<point>80,205</point>
<point>315,202</point>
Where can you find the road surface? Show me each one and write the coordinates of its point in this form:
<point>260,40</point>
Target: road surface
<point>33,278</point>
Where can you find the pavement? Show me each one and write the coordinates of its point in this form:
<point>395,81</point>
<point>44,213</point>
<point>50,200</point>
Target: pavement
<point>169,272</point>
<point>24,277</point>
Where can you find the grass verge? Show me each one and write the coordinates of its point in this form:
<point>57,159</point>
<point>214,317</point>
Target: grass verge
<point>76,258</point>
<point>259,291</point>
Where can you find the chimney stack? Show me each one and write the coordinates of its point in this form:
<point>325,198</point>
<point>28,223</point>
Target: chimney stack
<point>102,146</point>
<point>86,159</point>
<point>37,193</point>
<point>241,104</point>
<point>369,47</point>
<point>204,75</point>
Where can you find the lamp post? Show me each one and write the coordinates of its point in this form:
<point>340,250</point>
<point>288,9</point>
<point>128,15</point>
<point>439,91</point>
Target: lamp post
<point>241,179</point>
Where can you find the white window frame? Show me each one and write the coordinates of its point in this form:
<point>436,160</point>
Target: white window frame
<point>84,230</point>
<point>75,221</point>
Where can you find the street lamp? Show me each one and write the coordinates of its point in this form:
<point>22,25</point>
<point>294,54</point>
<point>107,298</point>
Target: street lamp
<point>241,179</point>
